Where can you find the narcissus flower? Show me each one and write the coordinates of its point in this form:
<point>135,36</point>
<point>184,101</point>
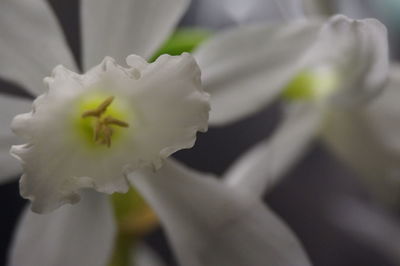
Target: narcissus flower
<point>91,130</point>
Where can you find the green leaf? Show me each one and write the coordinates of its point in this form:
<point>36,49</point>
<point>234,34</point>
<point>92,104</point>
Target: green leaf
<point>183,40</point>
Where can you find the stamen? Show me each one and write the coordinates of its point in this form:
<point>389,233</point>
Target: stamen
<point>102,131</point>
<point>109,120</point>
<point>100,109</point>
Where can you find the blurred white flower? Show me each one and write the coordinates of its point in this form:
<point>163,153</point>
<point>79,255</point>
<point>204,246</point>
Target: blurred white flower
<point>320,67</point>
<point>209,223</point>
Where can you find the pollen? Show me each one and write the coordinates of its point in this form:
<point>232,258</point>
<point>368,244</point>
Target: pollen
<point>104,123</point>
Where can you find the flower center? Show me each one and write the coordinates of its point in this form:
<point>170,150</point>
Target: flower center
<point>102,131</point>
<point>312,84</point>
<point>100,120</point>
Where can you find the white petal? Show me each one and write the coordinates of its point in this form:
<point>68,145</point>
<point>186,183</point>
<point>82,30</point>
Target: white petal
<point>145,256</point>
<point>360,55</point>
<point>367,137</point>
<point>73,235</point>
<point>31,43</point>
<point>9,107</point>
<point>121,27</point>
<point>163,104</point>
<point>247,67</point>
<point>262,166</point>
<point>251,11</point>
<point>317,8</point>
<point>211,224</point>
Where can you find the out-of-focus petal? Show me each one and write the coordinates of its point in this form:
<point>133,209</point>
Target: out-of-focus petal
<point>73,235</point>
<point>212,224</point>
<point>262,166</point>
<point>31,43</point>
<point>358,50</point>
<point>247,67</point>
<point>121,27</point>
<point>145,256</point>
<point>367,137</point>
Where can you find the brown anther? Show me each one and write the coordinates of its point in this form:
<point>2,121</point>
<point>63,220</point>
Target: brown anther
<point>109,120</point>
<point>100,109</point>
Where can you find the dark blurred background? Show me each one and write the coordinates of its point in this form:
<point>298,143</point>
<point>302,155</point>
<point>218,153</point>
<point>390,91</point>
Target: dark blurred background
<point>308,197</point>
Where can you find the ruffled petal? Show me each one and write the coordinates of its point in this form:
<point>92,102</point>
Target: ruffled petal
<point>162,104</point>
<point>247,67</point>
<point>211,224</point>
<point>31,43</point>
<point>122,27</point>
<point>78,235</point>
<point>367,137</point>
<point>263,165</point>
<point>9,107</point>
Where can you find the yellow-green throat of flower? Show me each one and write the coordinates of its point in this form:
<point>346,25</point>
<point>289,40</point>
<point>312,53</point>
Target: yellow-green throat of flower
<point>312,84</point>
<point>102,120</point>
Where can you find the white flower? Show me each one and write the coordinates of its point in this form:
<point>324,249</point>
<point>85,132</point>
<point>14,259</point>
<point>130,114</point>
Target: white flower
<point>91,130</point>
<point>244,69</point>
<point>78,121</point>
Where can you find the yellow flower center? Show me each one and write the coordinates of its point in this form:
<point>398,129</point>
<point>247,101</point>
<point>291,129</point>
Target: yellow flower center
<point>103,129</point>
<point>100,120</point>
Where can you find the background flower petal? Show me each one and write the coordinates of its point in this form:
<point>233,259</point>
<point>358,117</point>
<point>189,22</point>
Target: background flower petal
<point>247,67</point>
<point>264,164</point>
<point>31,44</point>
<point>367,137</point>
<point>122,27</point>
<point>211,224</point>
<point>73,235</point>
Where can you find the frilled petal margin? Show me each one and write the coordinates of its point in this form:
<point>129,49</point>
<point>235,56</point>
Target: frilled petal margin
<point>262,166</point>
<point>209,223</point>
<point>73,235</point>
<point>120,27</point>
<point>9,107</point>
<point>31,43</point>
<point>367,137</point>
<point>245,68</point>
<point>162,104</point>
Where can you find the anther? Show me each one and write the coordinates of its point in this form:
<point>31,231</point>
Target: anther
<point>100,109</point>
<point>109,120</point>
